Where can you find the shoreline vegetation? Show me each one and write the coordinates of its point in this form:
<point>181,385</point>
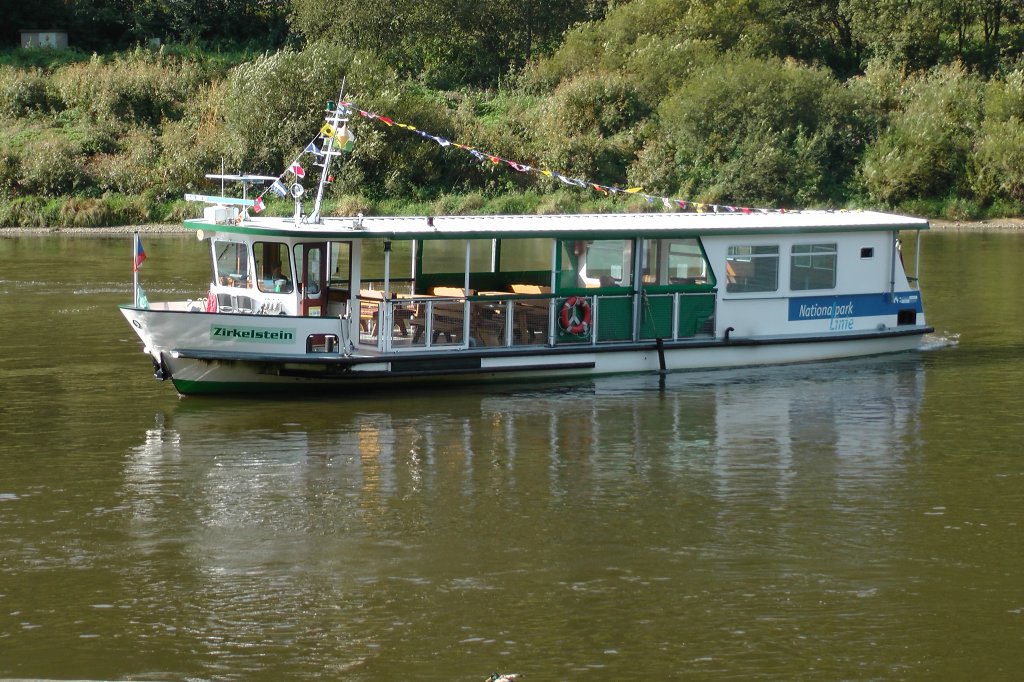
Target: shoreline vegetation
<point>576,107</point>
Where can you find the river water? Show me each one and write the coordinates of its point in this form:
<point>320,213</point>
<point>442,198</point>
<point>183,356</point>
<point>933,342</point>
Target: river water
<point>850,520</point>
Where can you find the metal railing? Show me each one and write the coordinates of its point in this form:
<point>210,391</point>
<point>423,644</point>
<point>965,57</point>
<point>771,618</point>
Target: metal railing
<point>423,322</point>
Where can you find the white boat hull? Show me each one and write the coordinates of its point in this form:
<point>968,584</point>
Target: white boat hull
<point>269,353</point>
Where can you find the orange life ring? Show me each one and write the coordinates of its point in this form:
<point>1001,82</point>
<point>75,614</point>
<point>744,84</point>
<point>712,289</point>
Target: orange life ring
<point>574,317</point>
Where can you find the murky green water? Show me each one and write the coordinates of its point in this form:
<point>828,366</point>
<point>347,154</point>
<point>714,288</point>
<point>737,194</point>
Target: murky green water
<point>852,520</point>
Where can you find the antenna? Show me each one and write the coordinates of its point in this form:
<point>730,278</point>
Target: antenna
<point>334,117</point>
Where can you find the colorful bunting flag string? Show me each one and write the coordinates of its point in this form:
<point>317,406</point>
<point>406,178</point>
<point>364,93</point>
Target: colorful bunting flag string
<point>345,139</point>
<point>669,203</point>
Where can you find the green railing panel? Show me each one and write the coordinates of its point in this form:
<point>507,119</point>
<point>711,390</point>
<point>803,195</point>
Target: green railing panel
<point>696,313</point>
<point>656,317</point>
<point>615,318</point>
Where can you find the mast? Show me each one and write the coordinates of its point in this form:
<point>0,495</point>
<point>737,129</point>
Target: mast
<point>337,117</point>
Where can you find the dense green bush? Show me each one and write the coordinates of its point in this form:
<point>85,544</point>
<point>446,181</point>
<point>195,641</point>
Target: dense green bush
<point>50,168</point>
<point>140,87</point>
<point>925,149</point>
<point>24,212</point>
<point>588,127</point>
<point>273,105</point>
<point>997,163</point>
<point>194,146</point>
<point>132,169</point>
<point>749,131</point>
<point>23,92</point>
<point>606,45</point>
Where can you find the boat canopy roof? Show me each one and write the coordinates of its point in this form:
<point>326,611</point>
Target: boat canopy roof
<point>568,226</point>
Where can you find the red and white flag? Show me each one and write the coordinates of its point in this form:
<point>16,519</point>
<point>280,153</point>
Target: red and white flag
<point>297,169</point>
<point>257,205</point>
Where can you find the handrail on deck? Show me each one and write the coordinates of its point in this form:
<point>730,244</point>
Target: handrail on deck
<point>507,320</point>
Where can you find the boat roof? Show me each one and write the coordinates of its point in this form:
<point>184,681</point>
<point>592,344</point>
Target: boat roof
<point>569,226</point>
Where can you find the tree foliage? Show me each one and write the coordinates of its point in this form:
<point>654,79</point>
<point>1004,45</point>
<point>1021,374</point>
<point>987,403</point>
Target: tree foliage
<point>894,103</point>
<point>445,44</point>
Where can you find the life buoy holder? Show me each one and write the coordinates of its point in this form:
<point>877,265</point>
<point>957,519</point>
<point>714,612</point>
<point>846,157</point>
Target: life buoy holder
<point>574,318</point>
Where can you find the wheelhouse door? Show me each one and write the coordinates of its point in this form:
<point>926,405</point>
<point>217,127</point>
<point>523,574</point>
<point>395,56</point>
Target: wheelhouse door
<point>311,261</point>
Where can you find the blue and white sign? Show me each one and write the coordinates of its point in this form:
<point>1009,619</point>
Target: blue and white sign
<point>840,310</point>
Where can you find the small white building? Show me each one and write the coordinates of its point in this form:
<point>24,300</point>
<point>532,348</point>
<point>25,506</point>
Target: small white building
<point>52,38</point>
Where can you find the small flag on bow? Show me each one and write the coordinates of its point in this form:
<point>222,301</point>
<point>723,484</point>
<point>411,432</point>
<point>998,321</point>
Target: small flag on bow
<point>140,254</point>
<point>297,169</point>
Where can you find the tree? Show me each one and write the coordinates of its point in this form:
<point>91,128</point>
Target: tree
<point>445,43</point>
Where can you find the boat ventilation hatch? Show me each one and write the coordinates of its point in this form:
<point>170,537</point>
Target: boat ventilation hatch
<point>906,316</point>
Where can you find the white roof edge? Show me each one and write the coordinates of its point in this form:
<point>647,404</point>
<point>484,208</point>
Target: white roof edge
<point>635,222</point>
<point>560,224</point>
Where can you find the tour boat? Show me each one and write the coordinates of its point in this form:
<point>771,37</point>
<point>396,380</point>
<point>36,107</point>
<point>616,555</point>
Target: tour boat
<point>309,302</point>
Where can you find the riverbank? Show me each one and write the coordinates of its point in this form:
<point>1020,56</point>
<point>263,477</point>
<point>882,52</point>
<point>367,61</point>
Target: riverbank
<point>995,225</point>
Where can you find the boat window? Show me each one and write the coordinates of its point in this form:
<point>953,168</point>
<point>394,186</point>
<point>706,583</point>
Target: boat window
<point>309,269</point>
<point>372,260</point>
<point>752,269</point>
<point>521,255</point>
<point>340,266</point>
<point>273,268</point>
<point>449,255</point>
<point>673,261</point>
<point>812,266</point>
<point>232,263</point>
<point>606,262</point>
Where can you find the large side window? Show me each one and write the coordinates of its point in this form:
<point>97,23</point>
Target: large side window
<point>608,262</point>
<point>518,255</point>
<point>812,266</point>
<point>752,269</point>
<point>273,269</point>
<point>232,263</point>
<point>673,261</point>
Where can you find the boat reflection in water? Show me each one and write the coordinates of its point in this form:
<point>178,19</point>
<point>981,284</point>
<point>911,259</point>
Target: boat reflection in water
<point>315,529</point>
